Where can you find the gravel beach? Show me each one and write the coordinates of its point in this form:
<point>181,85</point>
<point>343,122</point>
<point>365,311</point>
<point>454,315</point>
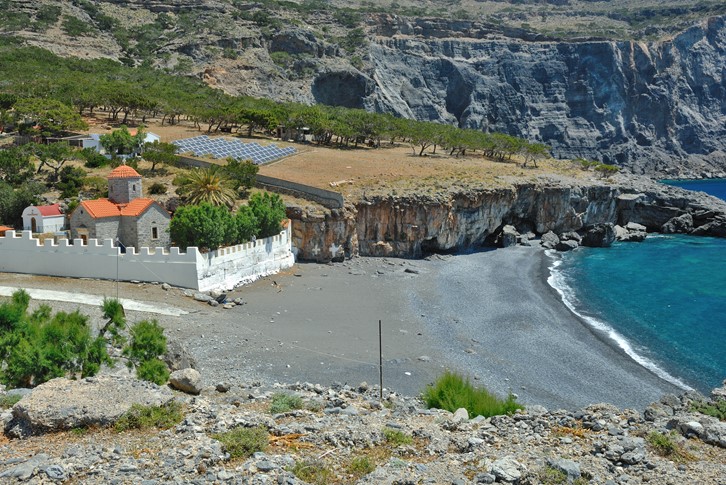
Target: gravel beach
<point>490,315</point>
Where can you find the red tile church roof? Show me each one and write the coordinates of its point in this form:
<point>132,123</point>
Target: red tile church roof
<point>136,207</point>
<point>49,210</point>
<point>101,208</point>
<point>123,172</point>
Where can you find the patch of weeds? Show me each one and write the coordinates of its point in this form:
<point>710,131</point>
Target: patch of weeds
<point>562,431</point>
<point>283,403</point>
<point>665,445</point>
<point>452,391</point>
<point>81,431</point>
<point>361,466</point>
<point>314,406</point>
<point>243,442</point>
<point>8,400</point>
<point>396,437</point>
<point>312,471</point>
<point>716,409</point>
<point>143,417</point>
<point>553,476</point>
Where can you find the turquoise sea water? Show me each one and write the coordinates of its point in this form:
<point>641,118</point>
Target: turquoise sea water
<point>663,301</point>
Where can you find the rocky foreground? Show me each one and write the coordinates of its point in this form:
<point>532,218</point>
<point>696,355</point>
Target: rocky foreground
<point>346,434</point>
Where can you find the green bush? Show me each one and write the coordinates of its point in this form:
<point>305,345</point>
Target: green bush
<point>144,417</point>
<point>662,444</point>
<point>147,344</point>
<point>93,159</point>
<point>553,476</point>
<point>9,400</point>
<point>451,392</point>
<point>269,210</point>
<point>361,466</point>
<point>243,442</point>
<point>312,471</point>
<point>716,409</point>
<point>75,27</point>
<point>157,188</point>
<point>282,403</point>
<point>396,437</point>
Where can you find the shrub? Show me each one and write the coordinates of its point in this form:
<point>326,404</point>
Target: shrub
<point>157,188</point>
<point>451,392</point>
<point>312,471</point>
<point>147,344</point>
<point>93,159</point>
<point>665,445</point>
<point>662,444</point>
<point>144,417</point>
<point>97,185</point>
<point>716,409</point>
<point>269,210</point>
<point>396,437</point>
<point>205,226</point>
<point>9,400</point>
<point>75,27</point>
<point>361,466</point>
<point>243,442</point>
<point>553,476</point>
<point>282,403</point>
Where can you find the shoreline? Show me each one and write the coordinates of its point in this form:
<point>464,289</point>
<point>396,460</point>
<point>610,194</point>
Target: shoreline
<point>490,315</point>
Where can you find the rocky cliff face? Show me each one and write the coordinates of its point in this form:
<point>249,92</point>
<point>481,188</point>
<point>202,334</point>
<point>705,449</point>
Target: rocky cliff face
<point>410,227</point>
<point>640,105</point>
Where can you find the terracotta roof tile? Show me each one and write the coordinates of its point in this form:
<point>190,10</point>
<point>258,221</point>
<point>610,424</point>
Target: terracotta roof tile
<point>49,210</point>
<point>123,172</point>
<point>5,228</point>
<point>101,208</point>
<point>136,207</point>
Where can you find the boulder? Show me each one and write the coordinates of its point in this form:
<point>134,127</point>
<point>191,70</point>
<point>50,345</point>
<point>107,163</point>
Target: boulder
<point>719,392</point>
<point>680,224</point>
<point>566,245</point>
<point>570,236</point>
<point>177,357</point>
<point>63,404</point>
<point>599,236</point>
<point>549,240</point>
<point>569,467</point>
<point>508,237</point>
<point>186,380</point>
<point>507,469</point>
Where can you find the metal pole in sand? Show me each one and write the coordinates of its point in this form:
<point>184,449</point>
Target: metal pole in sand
<point>380,360</point>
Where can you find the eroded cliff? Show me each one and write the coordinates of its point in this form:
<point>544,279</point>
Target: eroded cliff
<point>654,107</point>
<point>412,226</point>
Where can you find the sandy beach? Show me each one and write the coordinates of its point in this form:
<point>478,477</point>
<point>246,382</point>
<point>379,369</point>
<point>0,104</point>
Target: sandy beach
<point>489,315</point>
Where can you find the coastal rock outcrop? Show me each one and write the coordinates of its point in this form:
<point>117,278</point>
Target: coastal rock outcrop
<point>412,226</point>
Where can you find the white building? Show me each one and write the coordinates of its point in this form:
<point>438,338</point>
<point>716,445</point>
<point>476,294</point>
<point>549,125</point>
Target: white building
<point>43,218</point>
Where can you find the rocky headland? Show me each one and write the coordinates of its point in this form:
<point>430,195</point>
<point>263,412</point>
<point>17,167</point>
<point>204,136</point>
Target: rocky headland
<point>417,223</point>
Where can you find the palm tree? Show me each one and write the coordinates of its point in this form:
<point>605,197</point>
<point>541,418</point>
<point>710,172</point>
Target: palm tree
<point>207,185</point>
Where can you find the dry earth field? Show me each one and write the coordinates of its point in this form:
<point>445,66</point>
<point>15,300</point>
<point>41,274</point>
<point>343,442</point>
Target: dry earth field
<point>363,171</point>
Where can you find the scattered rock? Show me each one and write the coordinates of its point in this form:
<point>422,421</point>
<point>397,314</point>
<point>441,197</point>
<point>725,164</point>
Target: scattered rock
<point>186,380</point>
<point>508,237</point>
<point>599,236</point>
<point>681,224</point>
<point>549,240</point>
<point>566,245</point>
<point>177,357</point>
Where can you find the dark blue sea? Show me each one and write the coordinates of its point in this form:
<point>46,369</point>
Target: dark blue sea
<point>663,301</point>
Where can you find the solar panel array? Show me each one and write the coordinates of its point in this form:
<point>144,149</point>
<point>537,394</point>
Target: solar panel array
<point>204,146</point>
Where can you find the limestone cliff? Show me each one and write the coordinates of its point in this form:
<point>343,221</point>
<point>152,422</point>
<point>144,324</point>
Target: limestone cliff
<point>413,226</point>
<point>642,105</point>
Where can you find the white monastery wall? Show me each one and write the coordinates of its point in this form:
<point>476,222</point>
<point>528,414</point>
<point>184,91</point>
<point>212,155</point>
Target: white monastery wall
<point>222,269</point>
<point>228,267</point>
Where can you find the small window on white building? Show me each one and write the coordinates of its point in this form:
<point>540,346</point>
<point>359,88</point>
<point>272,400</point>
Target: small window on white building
<point>154,233</point>
<point>133,187</point>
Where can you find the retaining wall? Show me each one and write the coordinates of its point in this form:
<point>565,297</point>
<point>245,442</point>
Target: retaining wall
<point>222,269</point>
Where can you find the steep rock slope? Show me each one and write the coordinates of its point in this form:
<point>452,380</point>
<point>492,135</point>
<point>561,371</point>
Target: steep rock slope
<point>412,226</point>
<point>633,103</point>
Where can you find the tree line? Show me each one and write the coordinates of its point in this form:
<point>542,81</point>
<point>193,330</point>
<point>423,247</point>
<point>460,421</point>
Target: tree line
<point>55,92</point>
